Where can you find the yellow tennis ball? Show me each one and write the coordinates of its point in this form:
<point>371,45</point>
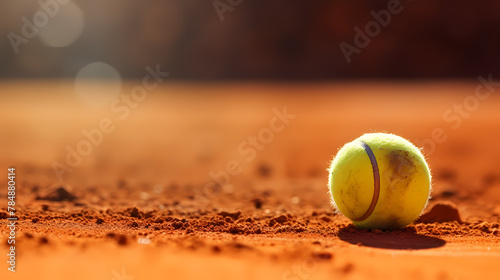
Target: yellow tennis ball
<point>380,181</point>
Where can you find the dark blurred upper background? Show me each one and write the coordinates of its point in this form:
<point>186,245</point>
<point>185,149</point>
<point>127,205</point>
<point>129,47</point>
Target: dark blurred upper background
<point>250,39</point>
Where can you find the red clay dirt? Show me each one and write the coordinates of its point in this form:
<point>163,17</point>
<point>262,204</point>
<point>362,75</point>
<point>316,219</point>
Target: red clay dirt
<point>176,190</point>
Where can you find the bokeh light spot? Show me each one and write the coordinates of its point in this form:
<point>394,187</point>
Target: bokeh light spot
<point>64,28</point>
<point>97,84</point>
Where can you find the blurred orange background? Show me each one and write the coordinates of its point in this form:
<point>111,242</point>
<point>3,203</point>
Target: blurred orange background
<point>266,40</point>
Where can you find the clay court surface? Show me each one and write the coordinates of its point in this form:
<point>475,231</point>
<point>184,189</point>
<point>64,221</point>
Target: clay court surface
<point>143,203</point>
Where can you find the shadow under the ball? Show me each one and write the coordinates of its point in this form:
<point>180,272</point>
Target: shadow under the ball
<point>395,239</point>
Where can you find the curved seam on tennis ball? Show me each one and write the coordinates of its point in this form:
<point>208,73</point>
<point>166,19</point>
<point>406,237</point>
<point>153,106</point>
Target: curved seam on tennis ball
<point>376,181</point>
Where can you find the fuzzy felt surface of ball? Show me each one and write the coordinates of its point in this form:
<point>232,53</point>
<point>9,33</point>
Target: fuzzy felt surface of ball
<point>380,180</point>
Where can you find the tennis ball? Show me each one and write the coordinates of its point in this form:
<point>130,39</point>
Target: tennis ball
<point>380,181</point>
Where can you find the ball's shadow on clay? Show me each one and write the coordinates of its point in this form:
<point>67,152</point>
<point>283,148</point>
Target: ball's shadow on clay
<point>397,239</point>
